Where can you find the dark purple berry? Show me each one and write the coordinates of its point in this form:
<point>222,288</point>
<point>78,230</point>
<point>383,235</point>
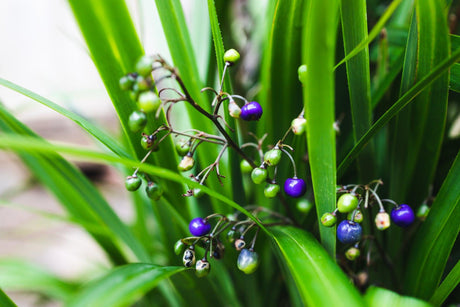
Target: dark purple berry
<point>199,227</point>
<point>251,111</point>
<point>349,232</point>
<point>295,187</point>
<point>402,215</point>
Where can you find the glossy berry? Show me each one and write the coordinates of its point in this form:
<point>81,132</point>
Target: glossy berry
<point>179,247</point>
<point>132,183</point>
<point>186,163</point>
<point>299,125</point>
<point>142,84</point>
<point>144,65</point>
<point>295,187</point>
<point>347,203</point>
<point>127,82</point>
<point>189,257</point>
<point>273,157</point>
<point>328,219</point>
<point>137,121</point>
<point>251,111</point>
<point>259,175</point>
<point>182,147</point>
<point>233,109</point>
<point>358,216</point>
<point>154,191</point>
<point>349,232</point>
<point>402,215</point>
<point>231,56</point>
<point>423,211</point>
<point>302,72</point>
<point>149,102</point>
<point>382,220</point>
<point>245,167</point>
<point>352,253</point>
<point>147,141</point>
<point>271,190</point>
<point>304,206</point>
<point>248,261</point>
<point>199,227</point>
<point>202,268</point>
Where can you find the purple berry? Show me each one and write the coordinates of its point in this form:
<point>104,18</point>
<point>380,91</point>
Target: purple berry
<point>251,111</point>
<point>295,187</point>
<point>402,215</point>
<point>199,227</point>
<point>349,232</point>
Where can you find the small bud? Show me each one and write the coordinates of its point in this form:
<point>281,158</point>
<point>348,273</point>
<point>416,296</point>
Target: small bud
<point>189,257</point>
<point>202,268</point>
<point>154,191</point>
<point>132,183</point>
<point>240,244</point>
<point>149,102</point>
<point>186,163</point>
<point>273,157</point>
<point>233,109</point>
<point>352,253</point>
<point>179,247</point>
<point>231,56</point>
<point>358,216</point>
<point>382,220</point>
<point>299,125</point>
<point>248,261</point>
<point>328,219</point>
<point>302,72</point>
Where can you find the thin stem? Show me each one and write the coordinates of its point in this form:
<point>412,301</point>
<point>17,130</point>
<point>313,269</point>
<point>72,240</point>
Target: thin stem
<point>292,161</point>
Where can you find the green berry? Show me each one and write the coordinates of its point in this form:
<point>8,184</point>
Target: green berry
<point>271,190</point>
<point>299,125</point>
<point>137,121</point>
<point>144,65</point>
<point>259,175</point>
<point>142,84</point>
<point>182,147</point>
<point>352,253</point>
<point>197,192</point>
<point>423,211</point>
<point>202,268</point>
<point>273,157</point>
<point>302,71</point>
<point>127,82</point>
<point>132,183</point>
<point>154,191</point>
<point>248,261</point>
<point>328,219</point>
<point>149,102</point>
<point>304,206</point>
<point>347,203</point>
<point>245,167</point>
<point>147,141</point>
<point>186,163</point>
<point>231,56</point>
<point>358,216</point>
<point>134,94</point>
<point>179,247</point>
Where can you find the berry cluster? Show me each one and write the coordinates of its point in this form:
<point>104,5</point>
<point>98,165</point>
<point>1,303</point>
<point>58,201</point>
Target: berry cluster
<point>236,233</point>
<point>352,199</point>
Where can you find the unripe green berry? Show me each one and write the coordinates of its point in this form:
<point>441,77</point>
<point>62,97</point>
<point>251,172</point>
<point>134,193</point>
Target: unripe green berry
<point>245,167</point>
<point>298,125</point>
<point>144,65</point>
<point>142,84</point>
<point>328,219</point>
<point>304,206</point>
<point>273,157</point>
<point>347,203</point>
<point>197,192</point>
<point>149,102</point>
<point>186,163</point>
<point>259,175</point>
<point>202,268</point>
<point>302,72</point>
<point>179,247</point>
<point>182,147</point>
<point>127,82</point>
<point>231,56</point>
<point>271,190</point>
<point>248,261</point>
<point>352,253</point>
<point>132,183</point>
<point>137,121</point>
<point>154,191</point>
<point>358,216</point>
<point>423,211</point>
<point>147,141</point>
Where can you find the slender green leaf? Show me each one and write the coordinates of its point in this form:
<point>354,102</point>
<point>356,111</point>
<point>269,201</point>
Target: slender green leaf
<point>416,148</point>
<point>320,31</point>
<point>5,300</point>
<point>103,137</point>
<point>314,271</point>
<point>447,286</point>
<point>123,285</point>
<point>354,29</point>
<point>21,275</point>
<point>379,297</point>
<point>455,78</point>
<point>408,97</point>
<point>435,238</point>
<point>373,34</point>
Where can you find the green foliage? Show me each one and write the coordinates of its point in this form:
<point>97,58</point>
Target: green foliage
<point>387,114</point>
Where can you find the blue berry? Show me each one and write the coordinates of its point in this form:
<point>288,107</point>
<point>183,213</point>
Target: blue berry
<point>251,111</point>
<point>199,227</point>
<point>295,187</point>
<point>402,215</point>
<point>349,232</point>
